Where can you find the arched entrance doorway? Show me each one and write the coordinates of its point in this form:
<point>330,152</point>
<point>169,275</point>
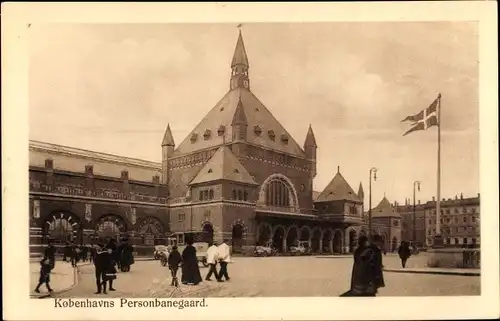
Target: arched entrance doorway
<point>316,237</point>
<point>327,238</point>
<point>279,234</point>
<point>352,241</point>
<point>292,237</point>
<point>337,242</point>
<point>237,238</point>
<point>265,234</point>
<point>62,227</point>
<point>151,229</point>
<point>110,227</point>
<point>208,232</point>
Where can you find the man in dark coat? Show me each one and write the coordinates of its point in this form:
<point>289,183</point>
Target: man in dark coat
<point>360,278</point>
<point>376,265</point>
<point>50,253</point>
<point>126,256</point>
<point>104,267</point>
<point>174,260</point>
<point>190,269</point>
<point>404,253</point>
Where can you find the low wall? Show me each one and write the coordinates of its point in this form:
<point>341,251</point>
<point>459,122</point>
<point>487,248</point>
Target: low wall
<point>454,258</point>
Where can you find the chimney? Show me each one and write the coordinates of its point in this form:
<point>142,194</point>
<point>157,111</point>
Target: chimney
<point>338,169</point>
<point>478,195</point>
<point>418,202</point>
<point>461,196</point>
<point>456,197</point>
<point>433,198</point>
<point>124,175</point>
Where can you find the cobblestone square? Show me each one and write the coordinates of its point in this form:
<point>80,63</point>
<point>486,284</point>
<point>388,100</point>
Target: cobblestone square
<point>277,277</point>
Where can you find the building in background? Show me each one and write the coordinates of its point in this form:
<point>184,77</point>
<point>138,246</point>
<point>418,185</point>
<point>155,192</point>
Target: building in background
<point>460,219</point>
<point>238,175</point>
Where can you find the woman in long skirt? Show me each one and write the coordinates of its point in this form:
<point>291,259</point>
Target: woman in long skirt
<point>190,269</point>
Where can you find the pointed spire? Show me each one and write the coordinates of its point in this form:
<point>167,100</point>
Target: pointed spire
<point>239,118</point>
<point>310,139</point>
<point>361,193</point>
<point>168,139</point>
<point>240,55</point>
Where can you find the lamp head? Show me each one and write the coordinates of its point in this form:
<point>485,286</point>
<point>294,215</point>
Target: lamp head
<point>418,186</point>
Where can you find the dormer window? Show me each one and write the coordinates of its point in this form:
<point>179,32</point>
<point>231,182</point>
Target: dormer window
<point>49,163</point>
<point>207,134</point>
<point>89,169</point>
<point>257,130</point>
<point>209,170</point>
<point>194,137</point>
<point>271,134</point>
<point>124,175</point>
<point>221,130</point>
<point>284,138</point>
<point>236,171</point>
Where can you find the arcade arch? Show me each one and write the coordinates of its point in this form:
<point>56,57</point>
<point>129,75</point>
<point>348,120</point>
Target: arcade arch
<point>62,227</point>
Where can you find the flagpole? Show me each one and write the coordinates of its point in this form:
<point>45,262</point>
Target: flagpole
<point>438,201</point>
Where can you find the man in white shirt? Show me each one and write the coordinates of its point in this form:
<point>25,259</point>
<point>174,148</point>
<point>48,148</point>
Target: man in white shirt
<point>212,257</point>
<point>224,258</point>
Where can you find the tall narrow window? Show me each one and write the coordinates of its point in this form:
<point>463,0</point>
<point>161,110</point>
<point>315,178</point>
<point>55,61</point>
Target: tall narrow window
<point>245,195</point>
<point>201,195</point>
<point>240,196</point>
<point>211,194</point>
<point>234,194</point>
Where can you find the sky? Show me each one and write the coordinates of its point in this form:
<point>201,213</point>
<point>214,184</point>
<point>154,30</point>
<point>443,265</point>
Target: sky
<point>113,88</point>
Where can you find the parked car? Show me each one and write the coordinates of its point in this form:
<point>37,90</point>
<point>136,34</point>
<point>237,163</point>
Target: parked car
<point>264,251</point>
<point>301,248</point>
<point>160,250</point>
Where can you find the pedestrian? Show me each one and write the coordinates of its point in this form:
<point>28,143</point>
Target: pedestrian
<point>66,252</point>
<point>126,256</point>
<point>174,260</point>
<point>190,269</point>
<point>212,262</point>
<point>104,269</point>
<point>376,265</point>
<point>45,269</point>
<point>224,256</point>
<point>50,253</point>
<point>404,253</point>
<point>361,276</point>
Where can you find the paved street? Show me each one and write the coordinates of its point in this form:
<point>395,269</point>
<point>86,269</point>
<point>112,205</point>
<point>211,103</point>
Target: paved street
<point>278,276</point>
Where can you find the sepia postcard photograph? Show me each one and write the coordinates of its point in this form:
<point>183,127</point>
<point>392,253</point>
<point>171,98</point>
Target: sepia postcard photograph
<point>182,163</point>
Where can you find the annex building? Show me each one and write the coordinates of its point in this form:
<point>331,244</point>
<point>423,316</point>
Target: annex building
<point>238,175</point>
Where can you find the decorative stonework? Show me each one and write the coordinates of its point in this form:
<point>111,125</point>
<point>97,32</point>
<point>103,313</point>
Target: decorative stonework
<point>88,212</point>
<point>221,130</point>
<point>36,208</point>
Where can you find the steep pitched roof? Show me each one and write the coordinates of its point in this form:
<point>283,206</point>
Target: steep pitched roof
<point>361,193</point>
<point>385,209</point>
<point>221,116</point>
<point>338,189</point>
<point>168,139</point>
<point>240,54</point>
<point>310,139</point>
<point>223,165</point>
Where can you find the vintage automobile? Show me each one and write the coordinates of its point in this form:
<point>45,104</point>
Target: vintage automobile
<point>160,250</point>
<point>179,240</point>
<point>300,248</point>
<point>265,250</point>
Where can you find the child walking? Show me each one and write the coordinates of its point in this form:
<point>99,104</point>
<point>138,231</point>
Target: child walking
<point>174,260</point>
<point>46,267</point>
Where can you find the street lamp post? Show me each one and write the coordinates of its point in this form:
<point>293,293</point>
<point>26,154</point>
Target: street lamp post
<point>415,184</point>
<point>374,171</point>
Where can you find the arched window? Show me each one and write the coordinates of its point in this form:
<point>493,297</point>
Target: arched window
<point>211,194</point>
<point>234,194</point>
<point>62,228</point>
<point>277,193</point>
<point>245,195</point>
<point>205,194</point>
<point>240,195</point>
<point>201,195</point>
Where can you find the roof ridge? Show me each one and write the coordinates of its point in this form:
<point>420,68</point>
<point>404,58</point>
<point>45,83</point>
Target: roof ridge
<point>95,154</point>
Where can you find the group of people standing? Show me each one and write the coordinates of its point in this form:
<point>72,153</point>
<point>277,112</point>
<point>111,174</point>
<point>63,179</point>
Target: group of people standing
<point>367,276</point>
<point>107,258</point>
<point>189,261</point>
<point>76,253</point>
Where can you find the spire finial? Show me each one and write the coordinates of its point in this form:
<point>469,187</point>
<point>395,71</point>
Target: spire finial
<point>338,169</point>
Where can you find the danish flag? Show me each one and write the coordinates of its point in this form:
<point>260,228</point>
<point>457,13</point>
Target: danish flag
<point>424,119</point>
